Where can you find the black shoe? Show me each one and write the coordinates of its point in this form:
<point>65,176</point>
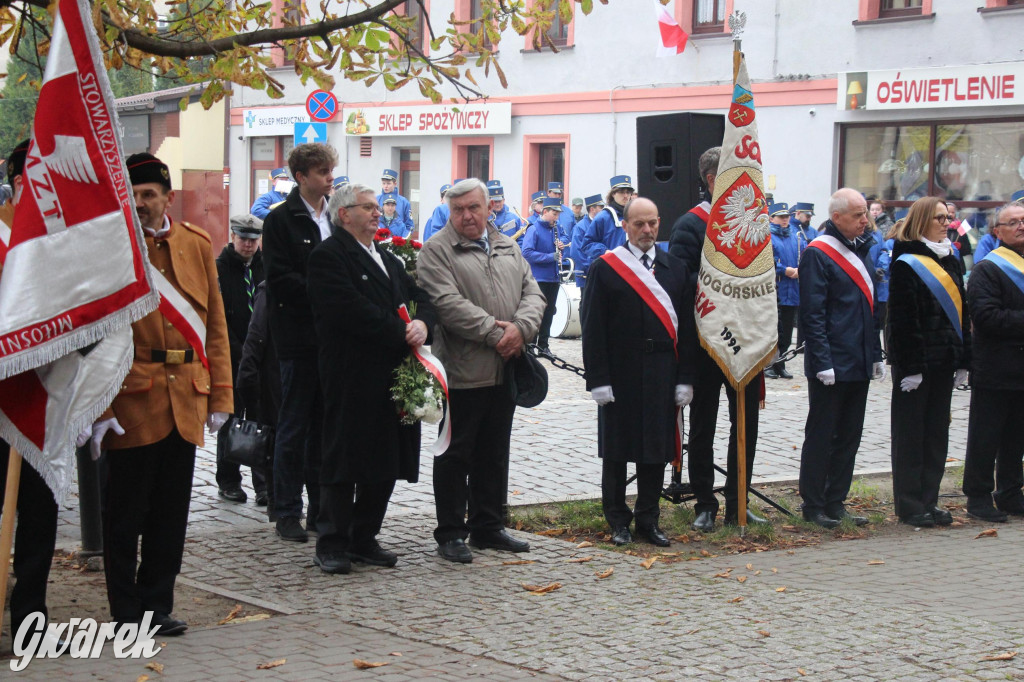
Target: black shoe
<point>546,353</point>
<point>841,513</point>
<point>167,626</point>
<point>621,536</point>
<point>456,551</point>
<point>941,516</point>
<point>730,518</point>
<point>1012,508</point>
<point>705,522</point>
<point>233,494</point>
<point>784,373</point>
<point>820,518</point>
<point>289,528</point>
<point>331,562</point>
<point>261,498</point>
<point>654,535</point>
<point>922,520</point>
<point>770,373</point>
<point>311,526</point>
<point>498,540</point>
<point>373,554</point>
<point>987,514</point>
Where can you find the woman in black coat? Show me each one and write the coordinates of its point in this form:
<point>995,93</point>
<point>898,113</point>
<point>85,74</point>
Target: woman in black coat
<point>929,347</point>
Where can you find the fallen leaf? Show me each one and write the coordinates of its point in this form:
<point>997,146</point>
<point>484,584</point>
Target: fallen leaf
<point>999,657</point>
<point>775,570</point>
<point>780,589</point>
<point>757,572</point>
<point>704,552</point>
<point>684,538</point>
<point>875,562</point>
<point>990,533</point>
<point>395,653</point>
<point>736,600</point>
<point>764,633</point>
<point>249,619</point>
<point>231,616</point>
<point>552,531</point>
<point>952,459</point>
<point>801,671</point>
<point>742,579</point>
<point>519,525</point>
<point>579,560</point>
<point>156,667</point>
<point>272,664</point>
<point>541,589</point>
<point>516,492</point>
<point>520,562</point>
<point>791,529</point>
<point>750,567</point>
<point>601,575</point>
<point>142,678</point>
<point>197,600</point>
<point>647,563</point>
<point>724,574</point>
<point>363,665</point>
<point>584,544</point>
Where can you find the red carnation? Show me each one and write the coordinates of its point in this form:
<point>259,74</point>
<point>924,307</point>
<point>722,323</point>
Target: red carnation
<point>398,241</point>
<point>383,233</point>
<point>416,244</point>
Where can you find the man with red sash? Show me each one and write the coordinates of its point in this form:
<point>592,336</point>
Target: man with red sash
<point>639,344</point>
<point>180,378</point>
<point>995,442</point>
<point>842,353</point>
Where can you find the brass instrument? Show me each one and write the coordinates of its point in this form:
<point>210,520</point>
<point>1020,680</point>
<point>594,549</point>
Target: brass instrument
<point>521,231</point>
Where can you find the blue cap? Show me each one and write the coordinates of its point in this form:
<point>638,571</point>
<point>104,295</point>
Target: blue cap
<point>554,187</point>
<point>495,192</point>
<point>779,208</point>
<point>494,183</point>
<point>620,181</point>
<point>802,206</point>
<point>536,196</point>
<point>389,174</point>
<point>457,180</point>
<point>339,181</point>
<point>445,188</point>
<point>554,203</point>
<point>595,200</point>
<point>279,174</point>
<point>1017,196</point>
<point>389,198</point>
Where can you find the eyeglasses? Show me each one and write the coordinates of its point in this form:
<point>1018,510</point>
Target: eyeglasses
<point>943,218</point>
<point>369,206</point>
<point>1015,223</point>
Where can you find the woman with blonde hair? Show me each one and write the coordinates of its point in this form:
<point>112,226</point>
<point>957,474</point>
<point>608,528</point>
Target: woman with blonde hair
<point>928,330</point>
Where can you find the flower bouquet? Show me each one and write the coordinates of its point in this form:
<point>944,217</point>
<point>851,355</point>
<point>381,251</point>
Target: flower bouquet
<point>405,249</point>
<point>417,393</point>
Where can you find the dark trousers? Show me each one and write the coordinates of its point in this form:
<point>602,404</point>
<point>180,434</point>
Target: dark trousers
<point>994,442</point>
<point>703,422</point>
<point>920,441</point>
<point>649,480</point>
<point>787,320</point>
<point>148,493</point>
<point>473,472</point>
<point>835,420</point>
<point>297,448</point>
<point>351,514</point>
<point>34,540</point>
<point>550,291</point>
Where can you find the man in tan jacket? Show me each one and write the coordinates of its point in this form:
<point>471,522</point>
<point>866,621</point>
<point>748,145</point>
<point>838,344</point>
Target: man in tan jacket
<point>488,306</point>
<point>152,428</point>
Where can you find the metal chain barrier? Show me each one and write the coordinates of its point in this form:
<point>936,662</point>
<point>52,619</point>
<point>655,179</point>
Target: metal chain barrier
<point>558,362</point>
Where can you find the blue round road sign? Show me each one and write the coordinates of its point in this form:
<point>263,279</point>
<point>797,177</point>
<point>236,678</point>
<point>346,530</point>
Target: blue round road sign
<point>321,105</point>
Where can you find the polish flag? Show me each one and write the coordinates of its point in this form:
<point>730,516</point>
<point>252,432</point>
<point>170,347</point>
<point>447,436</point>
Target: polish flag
<point>673,38</point>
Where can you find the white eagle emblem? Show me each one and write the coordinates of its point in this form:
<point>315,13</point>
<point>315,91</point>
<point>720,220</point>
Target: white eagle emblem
<point>70,159</point>
<point>746,218</point>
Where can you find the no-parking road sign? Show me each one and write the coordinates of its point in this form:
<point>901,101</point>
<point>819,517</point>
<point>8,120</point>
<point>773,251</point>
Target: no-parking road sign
<point>321,105</point>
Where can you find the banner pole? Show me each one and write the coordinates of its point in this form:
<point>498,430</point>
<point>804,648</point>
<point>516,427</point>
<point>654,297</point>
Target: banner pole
<point>741,458</point>
<point>7,526</point>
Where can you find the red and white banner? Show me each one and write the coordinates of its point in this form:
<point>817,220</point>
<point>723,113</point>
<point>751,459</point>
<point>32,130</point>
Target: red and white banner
<point>642,281</point>
<point>436,369</point>
<point>848,261</point>
<point>75,272</point>
<point>673,37</point>
<point>736,313</point>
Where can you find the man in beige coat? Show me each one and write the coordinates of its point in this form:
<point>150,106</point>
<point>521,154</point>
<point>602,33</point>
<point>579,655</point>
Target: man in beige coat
<point>488,306</point>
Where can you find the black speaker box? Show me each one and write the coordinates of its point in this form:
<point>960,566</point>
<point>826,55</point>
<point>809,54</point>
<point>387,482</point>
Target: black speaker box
<point>667,149</point>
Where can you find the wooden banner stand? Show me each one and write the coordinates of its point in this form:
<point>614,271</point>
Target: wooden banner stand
<point>7,526</point>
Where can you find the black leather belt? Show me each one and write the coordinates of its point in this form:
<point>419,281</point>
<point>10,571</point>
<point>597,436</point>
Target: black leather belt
<point>655,345</point>
<point>168,357</point>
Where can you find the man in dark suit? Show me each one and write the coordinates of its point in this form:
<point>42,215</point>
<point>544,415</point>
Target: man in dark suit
<point>290,233</point>
<point>355,291</point>
<point>842,353</point>
<point>639,345</point>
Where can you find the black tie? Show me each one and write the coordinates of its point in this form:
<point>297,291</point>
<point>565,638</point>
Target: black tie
<point>646,260</point>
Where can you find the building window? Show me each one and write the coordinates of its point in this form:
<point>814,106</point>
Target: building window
<point>560,33</point>
<point>551,166</point>
<point>415,10</point>
<point>476,16</point>
<point>899,8</point>
<point>478,162</point>
<point>708,16</point>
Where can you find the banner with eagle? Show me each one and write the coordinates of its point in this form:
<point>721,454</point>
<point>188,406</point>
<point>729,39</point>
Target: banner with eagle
<point>736,313</point>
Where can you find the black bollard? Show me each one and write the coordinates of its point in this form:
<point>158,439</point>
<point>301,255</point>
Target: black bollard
<point>89,505</point>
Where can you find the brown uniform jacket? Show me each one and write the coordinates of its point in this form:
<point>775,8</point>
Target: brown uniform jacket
<point>157,397</point>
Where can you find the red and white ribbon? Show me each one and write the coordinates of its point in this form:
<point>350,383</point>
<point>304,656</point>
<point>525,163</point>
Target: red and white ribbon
<point>182,315</point>
<point>848,261</point>
<point>434,366</point>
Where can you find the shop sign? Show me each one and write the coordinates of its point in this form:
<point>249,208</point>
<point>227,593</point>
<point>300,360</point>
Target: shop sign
<point>463,119</point>
<point>977,85</point>
<point>272,121</point>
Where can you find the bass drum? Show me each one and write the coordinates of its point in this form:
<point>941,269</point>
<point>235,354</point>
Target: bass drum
<point>565,323</point>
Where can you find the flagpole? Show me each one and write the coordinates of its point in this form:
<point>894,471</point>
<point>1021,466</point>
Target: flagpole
<point>741,458</point>
<point>7,526</point>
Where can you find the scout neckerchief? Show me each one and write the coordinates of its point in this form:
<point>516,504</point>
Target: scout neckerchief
<point>848,261</point>
<point>942,286</point>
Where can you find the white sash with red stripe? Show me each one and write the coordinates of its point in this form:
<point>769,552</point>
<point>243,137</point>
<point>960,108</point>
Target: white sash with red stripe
<point>182,315</point>
<point>642,281</point>
<point>434,366</point>
<point>850,263</point>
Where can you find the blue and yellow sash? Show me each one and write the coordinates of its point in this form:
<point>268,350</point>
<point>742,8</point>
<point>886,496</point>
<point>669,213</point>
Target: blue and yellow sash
<point>1010,263</point>
<point>941,285</point>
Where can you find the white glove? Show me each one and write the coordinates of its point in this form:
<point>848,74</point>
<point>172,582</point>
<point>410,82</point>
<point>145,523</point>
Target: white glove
<point>215,421</point>
<point>960,378</point>
<point>878,370</point>
<point>828,377</point>
<point>84,436</point>
<point>912,382</point>
<point>99,430</point>
<point>603,395</point>
<point>684,394</point>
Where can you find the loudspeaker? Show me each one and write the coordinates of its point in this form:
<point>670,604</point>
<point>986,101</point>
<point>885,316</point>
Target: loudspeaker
<point>667,149</point>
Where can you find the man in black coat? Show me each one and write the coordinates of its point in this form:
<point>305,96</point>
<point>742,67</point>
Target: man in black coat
<point>686,242</point>
<point>355,290</point>
<point>639,367</point>
<point>239,272</point>
<point>995,297</point>
<point>290,233</point>
<point>842,353</point>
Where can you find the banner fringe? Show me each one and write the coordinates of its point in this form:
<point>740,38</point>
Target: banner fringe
<point>758,366</point>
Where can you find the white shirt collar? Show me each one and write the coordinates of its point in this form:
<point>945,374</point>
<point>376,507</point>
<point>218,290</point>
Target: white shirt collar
<point>162,232</point>
<point>323,221</point>
<point>636,251</point>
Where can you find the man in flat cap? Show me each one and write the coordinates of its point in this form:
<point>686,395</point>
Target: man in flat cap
<point>240,271</point>
<point>180,378</point>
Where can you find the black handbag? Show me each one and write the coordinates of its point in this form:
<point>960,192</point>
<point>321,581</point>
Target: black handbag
<point>526,379</point>
<point>245,442</point>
